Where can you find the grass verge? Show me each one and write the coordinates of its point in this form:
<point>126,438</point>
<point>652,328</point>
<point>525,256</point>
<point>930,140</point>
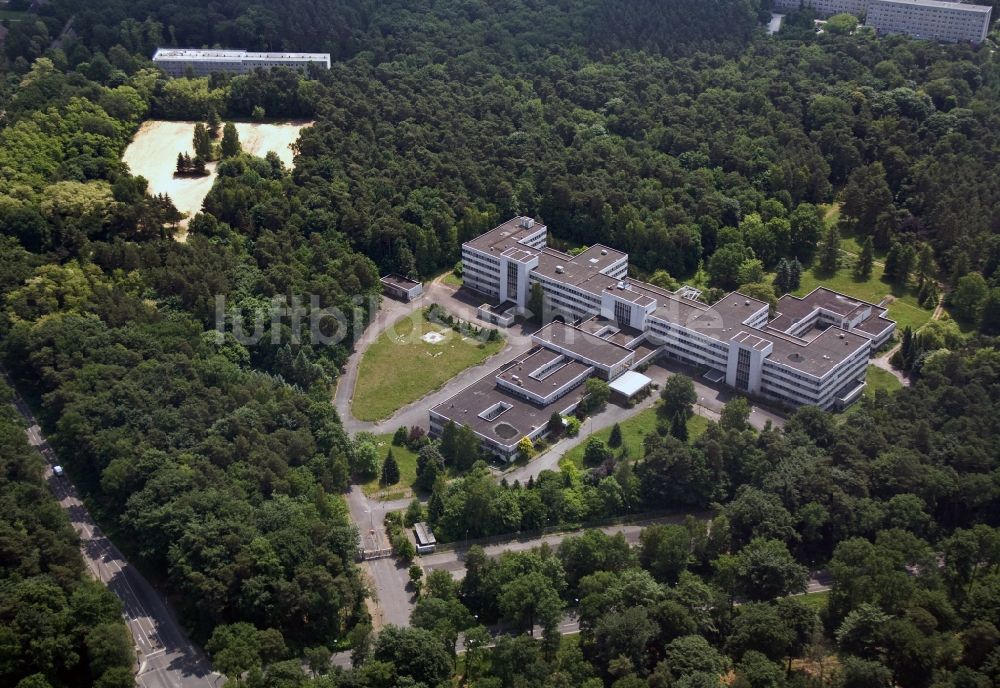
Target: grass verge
<point>878,378</point>
<point>634,431</point>
<point>407,461</point>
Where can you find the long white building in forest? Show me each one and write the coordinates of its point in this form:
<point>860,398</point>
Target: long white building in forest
<point>951,21</point>
<point>813,350</point>
<point>178,62</point>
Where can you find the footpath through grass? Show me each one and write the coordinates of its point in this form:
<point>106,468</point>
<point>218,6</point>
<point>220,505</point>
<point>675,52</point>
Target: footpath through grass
<point>400,367</point>
<point>634,431</point>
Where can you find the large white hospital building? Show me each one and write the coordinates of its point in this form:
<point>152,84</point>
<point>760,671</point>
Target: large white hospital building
<point>814,350</point>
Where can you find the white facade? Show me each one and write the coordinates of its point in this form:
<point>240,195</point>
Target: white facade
<point>178,62</point>
<point>951,22</point>
<point>824,8</point>
<point>814,351</point>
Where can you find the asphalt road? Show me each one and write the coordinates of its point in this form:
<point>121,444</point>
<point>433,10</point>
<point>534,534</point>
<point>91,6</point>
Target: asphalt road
<point>166,658</point>
<point>453,560</point>
<point>388,578</point>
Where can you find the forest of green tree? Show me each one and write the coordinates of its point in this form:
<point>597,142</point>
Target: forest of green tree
<point>58,627</point>
<point>675,131</point>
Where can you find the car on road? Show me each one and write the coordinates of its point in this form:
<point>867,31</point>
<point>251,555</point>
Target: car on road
<point>58,470</point>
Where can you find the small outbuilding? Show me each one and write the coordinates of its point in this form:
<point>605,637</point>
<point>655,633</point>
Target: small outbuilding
<point>400,287</point>
<point>629,384</point>
<point>425,538</point>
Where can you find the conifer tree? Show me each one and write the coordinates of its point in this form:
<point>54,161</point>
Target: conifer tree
<point>449,442</point>
<point>795,275</point>
<point>214,123</point>
<point>863,269</point>
<point>783,278</point>
<point>906,348</point>
<point>678,428</point>
<point>829,251</point>
<point>615,439</point>
<point>202,143</point>
<point>926,266</point>
<point>390,470</point>
<point>230,146</point>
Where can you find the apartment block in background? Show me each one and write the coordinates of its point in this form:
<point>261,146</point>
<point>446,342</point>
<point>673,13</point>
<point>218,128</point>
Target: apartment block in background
<point>178,62</point>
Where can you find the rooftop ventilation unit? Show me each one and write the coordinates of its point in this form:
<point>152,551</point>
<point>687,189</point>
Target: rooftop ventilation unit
<point>622,285</point>
<point>560,269</point>
<point>604,251</point>
<point>747,302</point>
<point>527,222</point>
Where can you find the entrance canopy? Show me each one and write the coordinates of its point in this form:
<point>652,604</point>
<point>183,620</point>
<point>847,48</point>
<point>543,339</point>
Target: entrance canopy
<point>630,383</point>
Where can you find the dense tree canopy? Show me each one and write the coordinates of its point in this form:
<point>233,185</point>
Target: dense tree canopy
<point>674,131</point>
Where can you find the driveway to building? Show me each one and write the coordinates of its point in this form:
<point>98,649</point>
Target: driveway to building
<point>711,400</point>
<point>460,303</point>
<point>166,658</point>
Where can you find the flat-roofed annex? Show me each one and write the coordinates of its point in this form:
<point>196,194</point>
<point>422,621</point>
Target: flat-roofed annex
<point>522,417</point>
<point>582,344</point>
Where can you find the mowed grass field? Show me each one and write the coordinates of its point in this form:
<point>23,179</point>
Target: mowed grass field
<point>904,309</point>
<point>399,367</point>
<point>634,431</point>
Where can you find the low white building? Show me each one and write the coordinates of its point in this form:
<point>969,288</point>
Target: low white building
<point>178,62</point>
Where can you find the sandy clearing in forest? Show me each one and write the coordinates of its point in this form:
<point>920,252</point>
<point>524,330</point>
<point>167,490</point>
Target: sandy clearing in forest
<point>153,155</point>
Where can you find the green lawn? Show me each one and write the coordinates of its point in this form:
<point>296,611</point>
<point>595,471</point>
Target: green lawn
<point>399,367</point>
<point>904,309</point>
<point>634,431</point>
<point>877,378</point>
<point>452,280</point>
<point>816,601</point>
<point>406,459</point>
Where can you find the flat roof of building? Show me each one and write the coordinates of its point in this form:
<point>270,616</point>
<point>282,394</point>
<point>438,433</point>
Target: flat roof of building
<point>519,419</point>
<point>609,330</point>
<point>424,534</point>
<point>214,55</point>
<point>505,236</point>
<point>543,372</point>
<point>725,321</point>
<point>817,357</point>
<point>399,281</point>
<point>583,344</point>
